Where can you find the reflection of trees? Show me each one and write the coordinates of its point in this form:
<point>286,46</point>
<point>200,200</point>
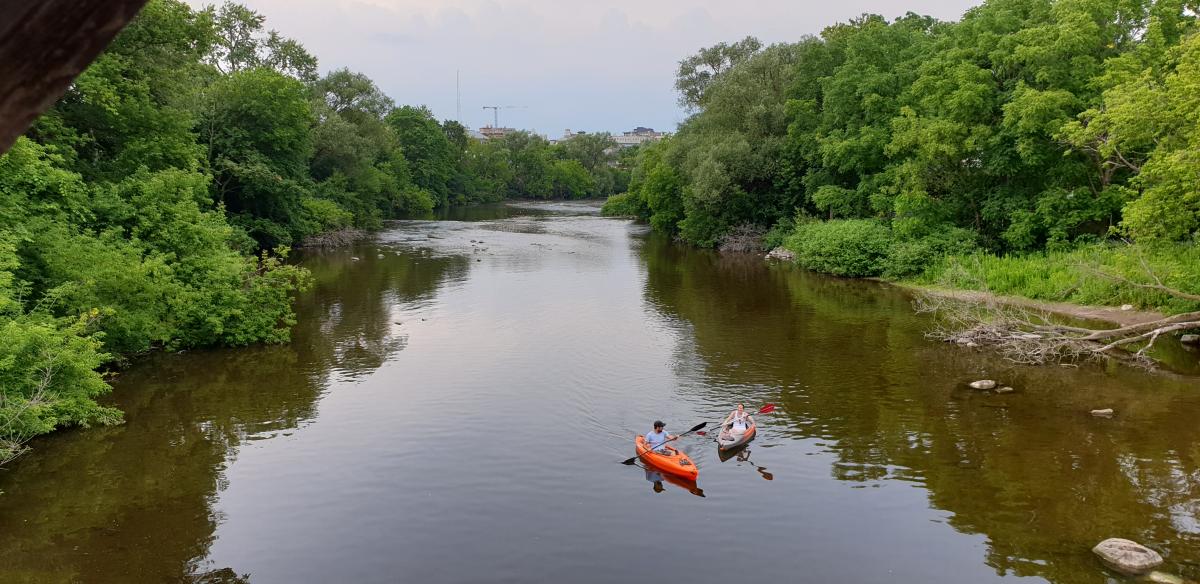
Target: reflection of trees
<point>134,502</point>
<point>1031,471</point>
<point>351,323</point>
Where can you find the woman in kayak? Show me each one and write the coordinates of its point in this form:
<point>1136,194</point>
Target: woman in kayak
<point>657,440</point>
<point>738,420</point>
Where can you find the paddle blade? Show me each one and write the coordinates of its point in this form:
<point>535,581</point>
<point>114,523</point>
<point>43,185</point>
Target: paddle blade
<point>698,426</point>
<point>629,461</point>
<point>767,409</point>
<point>702,433</point>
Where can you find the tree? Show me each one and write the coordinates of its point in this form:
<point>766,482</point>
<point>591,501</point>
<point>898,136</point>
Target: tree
<point>697,72</point>
<point>426,148</point>
<point>256,125</point>
<point>570,180</point>
<point>241,44</point>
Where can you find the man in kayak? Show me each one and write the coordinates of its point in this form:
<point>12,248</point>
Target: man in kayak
<point>657,440</point>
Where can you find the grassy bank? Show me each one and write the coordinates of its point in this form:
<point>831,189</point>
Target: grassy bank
<point>1094,274</point>
<point>1098,274</point>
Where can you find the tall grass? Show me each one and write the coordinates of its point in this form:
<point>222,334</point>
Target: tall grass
<point>1075,276</point>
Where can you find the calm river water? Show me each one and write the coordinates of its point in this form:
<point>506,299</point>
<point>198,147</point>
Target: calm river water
<point>459,394</point>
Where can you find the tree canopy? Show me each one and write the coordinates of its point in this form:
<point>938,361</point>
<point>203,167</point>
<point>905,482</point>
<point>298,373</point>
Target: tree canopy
<point>1028,125</point>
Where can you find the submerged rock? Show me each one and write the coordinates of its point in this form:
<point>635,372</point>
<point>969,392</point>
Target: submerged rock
<point>1104,413</point>
<point>983,384</point>
<point>1127,557</point>
<point>781,253</point>
<point>1190,339</point>
<point>1164,578</point>
<point>1005,389</point>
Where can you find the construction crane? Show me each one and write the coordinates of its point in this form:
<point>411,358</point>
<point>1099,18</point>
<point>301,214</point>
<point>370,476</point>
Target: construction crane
<point>496,112</point>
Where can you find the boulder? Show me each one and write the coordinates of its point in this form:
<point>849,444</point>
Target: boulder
<point>781,253</point>
<point>1127,307</point>
<point>1190,339</point>
<point>983,384</point>
<point>1104,413</point>
<point>1127,557</point>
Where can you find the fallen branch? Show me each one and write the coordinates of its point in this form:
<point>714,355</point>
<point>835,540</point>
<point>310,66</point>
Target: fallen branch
<point>1029,336</point>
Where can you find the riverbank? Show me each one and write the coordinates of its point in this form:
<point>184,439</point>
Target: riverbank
<point>1106,314</point>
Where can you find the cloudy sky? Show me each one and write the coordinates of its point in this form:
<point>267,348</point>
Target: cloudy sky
<point>599,65</point>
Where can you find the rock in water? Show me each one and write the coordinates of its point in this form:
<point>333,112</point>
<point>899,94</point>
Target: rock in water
<point>1104,413</point>
<point>1127,557</point>
<point>1164,578</point>
<point>781,253</point>
<point>1005,389</point>
<point>983,384</point>
<point>1126,307</point>
<point>1190,339</point>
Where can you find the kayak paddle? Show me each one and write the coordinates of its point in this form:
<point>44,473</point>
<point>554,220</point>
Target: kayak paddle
<point>763,410</point>
<point>630,461</point>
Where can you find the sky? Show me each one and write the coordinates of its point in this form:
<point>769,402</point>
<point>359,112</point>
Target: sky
<point>596,65</point>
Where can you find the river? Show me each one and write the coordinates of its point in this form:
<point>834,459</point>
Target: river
<point>459,394</point>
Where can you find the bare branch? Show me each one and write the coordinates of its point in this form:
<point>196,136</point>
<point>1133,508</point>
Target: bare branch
<point>1159,286</point>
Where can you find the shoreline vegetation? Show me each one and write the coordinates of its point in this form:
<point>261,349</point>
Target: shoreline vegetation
<point>1044,149</point>
<point>1036,148</point>
<point>153,206</point>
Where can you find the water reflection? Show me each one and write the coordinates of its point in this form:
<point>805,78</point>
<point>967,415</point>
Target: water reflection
<point>134,502</point>
<point>657,479</point>
<point>741,454</point>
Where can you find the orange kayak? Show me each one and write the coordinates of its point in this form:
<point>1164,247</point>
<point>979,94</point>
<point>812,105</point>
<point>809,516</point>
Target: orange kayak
<point>677,463</point>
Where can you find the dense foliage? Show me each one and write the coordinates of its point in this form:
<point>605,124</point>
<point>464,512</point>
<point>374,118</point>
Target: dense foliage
<point>1029,125</point>
<point>152,206</point>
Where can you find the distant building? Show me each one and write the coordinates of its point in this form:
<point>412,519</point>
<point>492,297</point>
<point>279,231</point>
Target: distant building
<point>567,135</point>
<point>637,136</point>
<point>492,133</point>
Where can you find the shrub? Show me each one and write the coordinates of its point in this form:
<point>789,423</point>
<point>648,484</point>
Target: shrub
<point>626,205</point>
<point>778,234</point>
<point>914,256</point>
<point>853,248</point>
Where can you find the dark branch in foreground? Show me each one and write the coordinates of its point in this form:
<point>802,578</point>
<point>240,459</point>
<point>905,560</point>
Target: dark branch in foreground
<point>44,44</point>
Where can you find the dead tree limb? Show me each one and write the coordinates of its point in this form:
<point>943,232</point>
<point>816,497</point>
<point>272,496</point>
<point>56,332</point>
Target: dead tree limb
<point>1029,336</point>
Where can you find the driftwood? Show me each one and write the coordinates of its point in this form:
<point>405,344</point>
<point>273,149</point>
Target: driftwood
<point>339,238</point>
<point>1031,336</point>
<point>44,45</point>
<point>745,238</point>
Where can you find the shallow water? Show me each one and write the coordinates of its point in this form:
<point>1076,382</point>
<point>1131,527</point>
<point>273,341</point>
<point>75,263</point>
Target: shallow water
<point>459,394</point>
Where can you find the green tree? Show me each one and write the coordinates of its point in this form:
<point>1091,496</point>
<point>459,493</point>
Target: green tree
<point>242,43</point>
<point>697,72</point>
<point>425,146</point>
<point>256,126</point>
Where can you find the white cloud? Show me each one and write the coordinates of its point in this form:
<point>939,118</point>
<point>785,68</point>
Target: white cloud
<point>594,65</point>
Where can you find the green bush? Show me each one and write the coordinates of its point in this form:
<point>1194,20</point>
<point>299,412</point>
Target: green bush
<point>778,234</point>
<point>853,248</point>
<point>626,205</point>
<point>913,256</point>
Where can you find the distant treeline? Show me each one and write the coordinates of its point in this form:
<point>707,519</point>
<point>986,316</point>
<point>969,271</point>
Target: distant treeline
<point>883,147</point>
<point>135,213</point>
